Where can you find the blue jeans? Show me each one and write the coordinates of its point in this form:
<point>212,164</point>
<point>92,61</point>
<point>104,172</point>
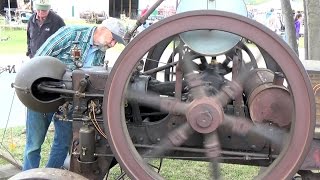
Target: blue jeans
<point>36,129</point>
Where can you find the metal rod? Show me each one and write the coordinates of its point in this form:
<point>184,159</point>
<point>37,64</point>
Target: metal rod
<point>187,157</point>
<point>197,150</point>
<point>155,70</point>
<point>67,91</point>
<point>141,20</point>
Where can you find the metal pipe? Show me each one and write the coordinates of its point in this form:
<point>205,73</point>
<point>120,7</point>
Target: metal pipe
<point>9,10</point>
<point>114,8</point>
<point>141,20</point>
<point>130,6</point>
<point>121,6</point>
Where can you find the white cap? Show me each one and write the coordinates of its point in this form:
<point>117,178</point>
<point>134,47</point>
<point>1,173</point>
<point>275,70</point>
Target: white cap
<point>42,5</point>
<point>117,29</point>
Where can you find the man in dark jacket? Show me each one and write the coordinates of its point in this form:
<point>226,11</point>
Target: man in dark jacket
<point>42,24</point>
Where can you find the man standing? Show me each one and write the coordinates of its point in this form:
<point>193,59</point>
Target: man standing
<point>93,42</point>
<point>41,25</point>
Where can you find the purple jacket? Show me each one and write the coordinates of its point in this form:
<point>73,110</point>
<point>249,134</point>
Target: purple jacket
<point>297,26</point>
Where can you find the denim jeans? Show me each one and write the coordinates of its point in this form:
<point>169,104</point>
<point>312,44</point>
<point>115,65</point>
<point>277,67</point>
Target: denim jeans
<point>36,129</point>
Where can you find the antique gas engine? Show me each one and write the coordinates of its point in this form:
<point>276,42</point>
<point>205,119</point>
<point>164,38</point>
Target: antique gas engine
<point>188,87</point>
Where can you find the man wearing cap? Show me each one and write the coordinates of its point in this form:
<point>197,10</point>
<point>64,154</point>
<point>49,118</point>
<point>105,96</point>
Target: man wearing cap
<point>93,43</point>
<point>41,25</point>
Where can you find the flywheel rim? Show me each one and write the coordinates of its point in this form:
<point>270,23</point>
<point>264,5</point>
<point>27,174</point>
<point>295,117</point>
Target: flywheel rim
<point>124,151</point>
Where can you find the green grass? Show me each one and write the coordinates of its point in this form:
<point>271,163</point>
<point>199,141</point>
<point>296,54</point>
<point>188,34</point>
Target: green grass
<point>196,170</point>
<point>14,139</point>
<point>13,41</point>
<point>301,42</point>
<point>255,2</point>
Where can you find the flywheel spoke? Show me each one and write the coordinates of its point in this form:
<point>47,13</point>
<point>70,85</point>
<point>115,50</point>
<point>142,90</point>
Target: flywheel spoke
<point>175,139</point>
<point>243,126</point>
<point>164,104</point>
<point>232,89</point>
<point>213,150</point>
<point>193,79</point>
<point>215,165</point>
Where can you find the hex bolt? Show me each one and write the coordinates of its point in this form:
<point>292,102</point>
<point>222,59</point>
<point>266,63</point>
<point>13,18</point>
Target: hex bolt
<point>205,119</point>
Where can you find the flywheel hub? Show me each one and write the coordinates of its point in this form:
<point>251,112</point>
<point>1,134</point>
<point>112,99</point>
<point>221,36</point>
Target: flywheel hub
<point>204,115</point>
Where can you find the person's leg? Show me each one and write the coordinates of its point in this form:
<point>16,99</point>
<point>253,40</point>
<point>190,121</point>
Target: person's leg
<point>61,143</point>
<point>36,128</point>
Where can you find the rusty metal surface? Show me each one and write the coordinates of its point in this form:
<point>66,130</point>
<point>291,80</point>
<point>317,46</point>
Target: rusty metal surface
<point>271,103</point>
<point>91,166</point>
<point>296,148</point>
<point>268,99</point>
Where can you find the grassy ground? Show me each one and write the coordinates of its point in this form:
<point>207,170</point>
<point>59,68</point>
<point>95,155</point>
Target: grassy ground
<point>193,170</point>
<point>13,41</point>
<point>255,2</point>
<point>13,139</point>
<point>301,42</point>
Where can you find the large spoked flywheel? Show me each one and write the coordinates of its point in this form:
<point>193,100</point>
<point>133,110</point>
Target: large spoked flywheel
<point>204,109</point>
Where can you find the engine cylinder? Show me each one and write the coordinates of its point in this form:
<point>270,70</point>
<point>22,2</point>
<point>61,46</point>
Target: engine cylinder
<point>87,143</point>
<point>267,101</point>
